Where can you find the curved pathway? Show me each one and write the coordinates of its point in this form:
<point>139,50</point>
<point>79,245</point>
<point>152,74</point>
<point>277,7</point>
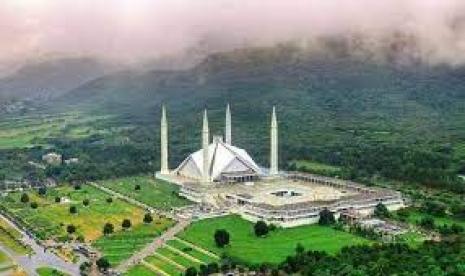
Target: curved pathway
<point>40,258</point>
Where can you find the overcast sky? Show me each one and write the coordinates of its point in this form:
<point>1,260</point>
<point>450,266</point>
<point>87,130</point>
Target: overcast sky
<point>141,29</point>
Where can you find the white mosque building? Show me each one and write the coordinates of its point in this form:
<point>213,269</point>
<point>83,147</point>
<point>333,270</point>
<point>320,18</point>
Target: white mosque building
<point>227,178</point>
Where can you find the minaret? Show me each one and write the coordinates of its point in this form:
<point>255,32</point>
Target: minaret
<point>228,126</point>
<point>205,143</point>
<point>164,142</point>
<point>274,144</point>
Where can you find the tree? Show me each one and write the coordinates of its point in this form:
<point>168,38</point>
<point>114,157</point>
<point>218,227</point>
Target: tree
<point>24,198</point>
<point>148,218</point>
<point>427,222</point>
<point>191,271</point>
<point>77,187</point>
<point>34,205</point>
<point>260,228</point>
<point>70,229</point>
<point>221,237</point>
<point>42,191</point>
<point>73,210</point>
<point>110,200</point>
<point>57,199</point>
<point>108,228</point>
<point>126,224</point>
<point>326,217</point>
<point>137,187</point>
<point>86,202</point>
<point>381,211</point>
<point>103,264</point>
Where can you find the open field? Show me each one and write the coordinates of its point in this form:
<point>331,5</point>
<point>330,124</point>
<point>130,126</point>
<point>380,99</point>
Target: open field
<point>11,238</point>
<point>139,270</point>
<point>50,219</point>
<point>26,132</point>
<point>274,248</point>
<point>6,265</point>
<point>121,245</point>
<point>153,192</point>
<point>48,271</point>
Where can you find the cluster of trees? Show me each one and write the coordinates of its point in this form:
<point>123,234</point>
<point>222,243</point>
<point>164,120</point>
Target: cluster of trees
<point>431,258</point>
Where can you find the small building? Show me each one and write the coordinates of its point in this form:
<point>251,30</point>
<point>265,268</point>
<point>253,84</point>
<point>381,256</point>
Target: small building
<point>52,158</point>
<point>71,161</point>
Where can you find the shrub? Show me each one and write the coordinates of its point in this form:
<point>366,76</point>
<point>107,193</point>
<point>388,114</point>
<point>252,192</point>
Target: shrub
<point>103,264</point>
<point>326,217</point>
<point>42,191</point>
<point>73,210</point>
<point>191,271</point>
<point>260,228</point>
<point>71,229</point>
<point>86,202</point>
<point>126,224</point>
<point>77,187</point>
<point>24,198</point>
<point>57,199</point>
<point>221,237</point>
<point>34,205</point>
<point>427,222</point>
<point>110,200</point>
<point>381,211</point>
<point>137,187</point>
<point>148,218</point>
<point>108,228</point>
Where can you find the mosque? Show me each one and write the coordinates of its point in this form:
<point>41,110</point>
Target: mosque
<point>226,178</point>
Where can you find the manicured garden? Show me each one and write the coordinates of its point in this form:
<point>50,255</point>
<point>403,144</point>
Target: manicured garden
<point>274,247</point>
<point>52,214</point>
<point>153,192</point>
<point>123,244</point>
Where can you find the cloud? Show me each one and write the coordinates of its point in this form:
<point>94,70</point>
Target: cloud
<point>132,30</point>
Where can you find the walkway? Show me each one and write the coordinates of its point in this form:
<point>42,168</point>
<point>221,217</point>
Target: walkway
<point>40,257</point>
<point>153,246</point>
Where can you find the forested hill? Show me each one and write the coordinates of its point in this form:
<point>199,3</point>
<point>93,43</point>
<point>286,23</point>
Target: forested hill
<point>402,121</point>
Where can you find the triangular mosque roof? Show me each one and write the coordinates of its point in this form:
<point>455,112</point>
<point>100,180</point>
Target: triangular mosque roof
<point>223,158</point>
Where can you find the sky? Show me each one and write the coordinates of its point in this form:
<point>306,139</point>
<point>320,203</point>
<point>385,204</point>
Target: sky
<point>134,30</point>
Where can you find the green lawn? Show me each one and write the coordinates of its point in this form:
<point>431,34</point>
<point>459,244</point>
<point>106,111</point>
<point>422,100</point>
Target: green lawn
<point>161,264</point>
<point>50,219</point>
<point>48,271</point>
<point>274,248</point>
<point>121,245</point>
<point>156,193</point>
<point>139,270</point>
<point>192,251</point>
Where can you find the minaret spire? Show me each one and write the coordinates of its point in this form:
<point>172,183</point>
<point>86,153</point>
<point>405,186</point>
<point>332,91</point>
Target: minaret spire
<point>228,125</point>
<point>274,144</point>
<point>164,142</point>
<point>205,143</point>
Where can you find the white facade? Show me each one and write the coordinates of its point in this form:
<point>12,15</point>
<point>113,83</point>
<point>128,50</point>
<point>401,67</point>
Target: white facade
<point>224,160</point>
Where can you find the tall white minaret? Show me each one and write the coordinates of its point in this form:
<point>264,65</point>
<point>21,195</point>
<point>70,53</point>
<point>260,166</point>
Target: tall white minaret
<point>274,144</point>
<point>228,126</point>
<point>164,142</point>
<point>205,143</point>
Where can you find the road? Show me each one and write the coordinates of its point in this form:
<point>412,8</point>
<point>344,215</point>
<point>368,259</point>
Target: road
<point>39,258</point>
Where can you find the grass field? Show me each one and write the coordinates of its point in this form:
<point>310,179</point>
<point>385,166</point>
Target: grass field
<point>139,270</point>
<point>6,265</point>
<point>121,245</point>
<point>11,238</point>
<point>50,219</point>
<point>274,248</point>
<point>156,193</point>
<point>48,271</point>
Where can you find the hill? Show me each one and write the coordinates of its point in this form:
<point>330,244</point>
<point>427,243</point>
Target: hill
<point>404,121</point>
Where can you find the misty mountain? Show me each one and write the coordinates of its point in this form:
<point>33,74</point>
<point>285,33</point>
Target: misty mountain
<point>43,80</point>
